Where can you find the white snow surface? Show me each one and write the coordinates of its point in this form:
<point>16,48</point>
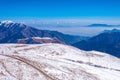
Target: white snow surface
<point>7,23</point>
<point>48,38</point>
<point>55,62</point>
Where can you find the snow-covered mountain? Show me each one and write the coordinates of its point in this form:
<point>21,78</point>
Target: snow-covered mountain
<point>11,32</point>
<point>55,62</point>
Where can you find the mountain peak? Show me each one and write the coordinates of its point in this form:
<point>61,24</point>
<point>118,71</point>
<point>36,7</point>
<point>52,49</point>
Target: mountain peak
<point>11,24</point>
<point>115,29</point>
<point>109,31</point>
<point>7,21</point>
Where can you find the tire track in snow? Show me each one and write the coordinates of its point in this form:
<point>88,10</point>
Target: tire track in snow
<point>32,64</point>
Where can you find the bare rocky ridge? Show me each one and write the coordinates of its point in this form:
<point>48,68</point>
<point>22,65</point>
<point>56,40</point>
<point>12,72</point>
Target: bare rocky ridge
<point>55,62</point>
<point>38,40</point>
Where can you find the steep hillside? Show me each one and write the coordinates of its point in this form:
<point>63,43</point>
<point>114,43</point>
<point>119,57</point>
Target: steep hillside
<point>108,41</point>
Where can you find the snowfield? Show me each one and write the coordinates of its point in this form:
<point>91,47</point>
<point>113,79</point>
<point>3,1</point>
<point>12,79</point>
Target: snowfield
<point>55,62</point>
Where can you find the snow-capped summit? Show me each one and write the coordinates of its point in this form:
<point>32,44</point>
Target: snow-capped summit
<point>7,24</point>
<point>7,21</point>
<point>55,62</point>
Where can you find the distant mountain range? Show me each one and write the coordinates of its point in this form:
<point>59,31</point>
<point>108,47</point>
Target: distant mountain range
<point>108,41</point>
<point>102,25</point>
<point>11,32</point>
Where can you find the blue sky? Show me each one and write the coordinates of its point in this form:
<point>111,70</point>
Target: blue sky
<point>81,11</point>
<point>59,9</point>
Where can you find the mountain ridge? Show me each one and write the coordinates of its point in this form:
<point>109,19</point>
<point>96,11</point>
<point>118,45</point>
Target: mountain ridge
<point>108,41</point>
<point>10,32</point>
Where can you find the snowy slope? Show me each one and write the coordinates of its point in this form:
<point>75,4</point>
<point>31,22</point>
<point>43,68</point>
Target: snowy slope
<point>55,62</point>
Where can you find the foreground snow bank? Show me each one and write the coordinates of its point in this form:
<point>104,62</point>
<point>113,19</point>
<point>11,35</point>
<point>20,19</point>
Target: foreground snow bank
<point>55,62</point>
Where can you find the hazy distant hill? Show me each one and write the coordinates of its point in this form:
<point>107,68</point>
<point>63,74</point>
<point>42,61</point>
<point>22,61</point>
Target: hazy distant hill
<point>102,25</point>
<point>108,41</point>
